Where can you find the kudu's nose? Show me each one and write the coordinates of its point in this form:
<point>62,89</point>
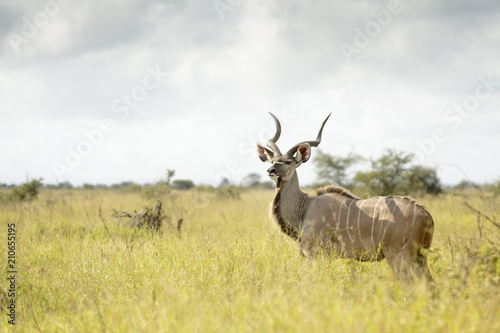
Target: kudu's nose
<point>271,170</point>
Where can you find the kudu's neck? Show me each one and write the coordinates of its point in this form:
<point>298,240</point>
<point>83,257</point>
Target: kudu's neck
<point>290,205</point>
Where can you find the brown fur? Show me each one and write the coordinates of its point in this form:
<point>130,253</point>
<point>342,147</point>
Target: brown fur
<point>284,225</point>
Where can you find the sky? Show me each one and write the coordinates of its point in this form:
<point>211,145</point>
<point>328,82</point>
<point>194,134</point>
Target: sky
<point>112,91</point>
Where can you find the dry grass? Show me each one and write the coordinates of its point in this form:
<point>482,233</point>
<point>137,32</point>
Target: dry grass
<point>232,271</point>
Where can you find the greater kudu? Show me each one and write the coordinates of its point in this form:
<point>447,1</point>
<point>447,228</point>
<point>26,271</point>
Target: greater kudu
<point>341,224</point>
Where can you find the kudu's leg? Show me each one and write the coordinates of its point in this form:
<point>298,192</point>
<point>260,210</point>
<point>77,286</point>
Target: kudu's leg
<point>408,264</point>
<point>422,258</point>
<point>401,262</point>
<point>421,268</point>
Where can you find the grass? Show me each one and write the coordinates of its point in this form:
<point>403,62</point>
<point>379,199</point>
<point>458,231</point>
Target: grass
<point>233,271</point>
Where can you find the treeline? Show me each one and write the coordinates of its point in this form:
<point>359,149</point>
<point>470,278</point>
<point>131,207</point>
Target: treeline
<point>393,173</point>
<point>32,187</point>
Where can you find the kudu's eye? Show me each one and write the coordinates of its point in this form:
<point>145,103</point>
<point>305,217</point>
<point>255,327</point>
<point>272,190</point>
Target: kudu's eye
<point>288,162</point>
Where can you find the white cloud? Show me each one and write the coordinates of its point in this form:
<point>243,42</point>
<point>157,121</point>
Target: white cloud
<point>223,76</point>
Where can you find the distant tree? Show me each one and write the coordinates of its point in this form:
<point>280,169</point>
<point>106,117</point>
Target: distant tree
<point>386,172</point>
<point>465,185</point>
<point>493,187</point>
<point>422,179</point>
<point>126,185</point>
<point>224,183</point>
<point>182,184</point>
<point>132,187</point>
<point>64,186</point>
<point>336,169</point>
<point>393,173</point>
<point>27,191</point>
<point>252,180</point>
<point>496,187</point>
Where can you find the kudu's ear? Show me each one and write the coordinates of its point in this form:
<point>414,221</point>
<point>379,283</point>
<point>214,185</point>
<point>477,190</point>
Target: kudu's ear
<point>303,153</point>
<point>265,155</point>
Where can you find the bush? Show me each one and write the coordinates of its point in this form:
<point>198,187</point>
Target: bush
<point>252,181</point>
<point>155,191</point>
<point>182,184</point>
<point>336,169</point>
<point>392,173</point>
<point>421,179</point>
<point>27,191</point>
<point>386,173</point>
<point>465,185</point>
<point>494,187</point>
<point>230,192</point>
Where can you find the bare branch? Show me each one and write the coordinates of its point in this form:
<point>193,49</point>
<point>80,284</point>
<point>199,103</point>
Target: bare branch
<point>495,223</point>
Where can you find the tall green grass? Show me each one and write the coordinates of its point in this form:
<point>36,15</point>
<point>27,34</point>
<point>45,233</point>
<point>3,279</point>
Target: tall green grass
<point>233,271</point>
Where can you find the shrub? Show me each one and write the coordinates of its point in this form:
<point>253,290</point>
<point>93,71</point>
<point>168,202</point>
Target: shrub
<point>27,191</point>
<point>392,173</point>
<point>182,184</point>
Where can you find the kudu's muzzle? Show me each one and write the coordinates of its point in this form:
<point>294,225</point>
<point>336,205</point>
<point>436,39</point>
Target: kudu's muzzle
<point>272,172</point>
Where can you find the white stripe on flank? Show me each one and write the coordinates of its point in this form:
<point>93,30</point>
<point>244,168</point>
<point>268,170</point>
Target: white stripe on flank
<point>347,221</point>
<point>338,218</point>
<point>414,213</point>
<point>414,217</point>
<point>393,219</point>
<point>382,219</point>
<point>406,224</point>
<point>337,231</point>
<point>373,221</point>
<point>385,230</point>
<point>359,230</point>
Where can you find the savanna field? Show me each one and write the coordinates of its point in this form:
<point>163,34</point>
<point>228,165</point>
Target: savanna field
<point>231,270</point>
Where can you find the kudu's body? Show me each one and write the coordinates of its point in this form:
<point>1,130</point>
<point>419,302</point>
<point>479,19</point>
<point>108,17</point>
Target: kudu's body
<point>340,224</point>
